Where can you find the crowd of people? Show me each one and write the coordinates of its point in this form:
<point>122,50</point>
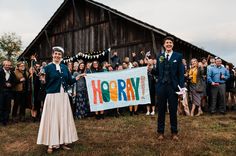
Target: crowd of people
<point>56,93</point>
<point>211,87</point>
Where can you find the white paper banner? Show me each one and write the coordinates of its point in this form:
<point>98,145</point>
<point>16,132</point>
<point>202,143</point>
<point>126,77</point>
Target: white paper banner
<point>108,90</point>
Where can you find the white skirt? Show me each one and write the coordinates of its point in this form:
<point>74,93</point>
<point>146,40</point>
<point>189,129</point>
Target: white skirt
<point>57,124</point>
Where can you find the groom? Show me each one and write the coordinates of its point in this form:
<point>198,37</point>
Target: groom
<point>170,73</point>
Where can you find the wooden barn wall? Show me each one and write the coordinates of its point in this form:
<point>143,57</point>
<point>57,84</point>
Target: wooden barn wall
<point>91,28</point>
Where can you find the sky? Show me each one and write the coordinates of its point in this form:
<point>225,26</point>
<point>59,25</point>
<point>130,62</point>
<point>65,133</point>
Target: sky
<point>208,24</point>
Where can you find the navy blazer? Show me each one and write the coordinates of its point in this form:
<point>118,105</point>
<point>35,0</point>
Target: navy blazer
<point>177,70</point>
<point>54,78</point>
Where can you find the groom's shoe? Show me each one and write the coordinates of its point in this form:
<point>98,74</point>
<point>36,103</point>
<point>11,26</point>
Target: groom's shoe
<point>175,137</point>
<point>160,136</point>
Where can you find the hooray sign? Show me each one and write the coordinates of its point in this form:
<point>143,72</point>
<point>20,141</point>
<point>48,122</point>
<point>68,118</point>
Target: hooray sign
<point>108,90</point>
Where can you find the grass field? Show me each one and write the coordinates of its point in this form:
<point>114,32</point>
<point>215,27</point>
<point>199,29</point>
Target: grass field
<point>136,135</point>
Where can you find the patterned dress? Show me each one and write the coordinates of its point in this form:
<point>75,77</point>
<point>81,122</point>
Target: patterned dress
<point>81,100</point>
<point>196,96</point>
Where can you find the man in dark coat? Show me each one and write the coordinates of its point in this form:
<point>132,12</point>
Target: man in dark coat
<point>170,73</point>
<point>7,81</point>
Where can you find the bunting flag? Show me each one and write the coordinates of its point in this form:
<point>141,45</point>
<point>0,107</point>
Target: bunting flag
<point>87,56</point>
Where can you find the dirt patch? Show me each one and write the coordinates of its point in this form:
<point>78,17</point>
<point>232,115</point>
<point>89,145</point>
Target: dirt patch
<point>17,146</point>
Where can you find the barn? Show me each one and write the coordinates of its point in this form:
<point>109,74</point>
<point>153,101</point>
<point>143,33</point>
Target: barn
<point>90,27</point>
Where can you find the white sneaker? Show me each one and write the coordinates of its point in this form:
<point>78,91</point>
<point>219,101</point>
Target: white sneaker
<point>153,113</point>
<point>148,113</point>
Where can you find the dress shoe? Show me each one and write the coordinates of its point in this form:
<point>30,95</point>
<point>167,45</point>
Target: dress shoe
<point>117,115</point>
<point>97,116</point>
<point>160,136</point>
<point>66,147</point>
<point>222,113</point>
<point>50,150</point>
<point>175,137</point>
<point>56,147</point>
<point>212,112</point>
<point>199,113</point>
<point>102,116</point>
<point>131,113</point>
<point>4,124</point>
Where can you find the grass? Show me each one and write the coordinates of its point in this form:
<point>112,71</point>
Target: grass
<point>204,135</point>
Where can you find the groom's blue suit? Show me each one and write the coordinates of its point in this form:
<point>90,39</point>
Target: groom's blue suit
<point>170,74</point>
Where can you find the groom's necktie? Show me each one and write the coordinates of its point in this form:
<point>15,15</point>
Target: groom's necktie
<point>167,57</point>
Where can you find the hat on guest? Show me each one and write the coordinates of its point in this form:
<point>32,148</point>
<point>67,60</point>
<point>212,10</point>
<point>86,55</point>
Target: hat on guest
<point>58,48</point>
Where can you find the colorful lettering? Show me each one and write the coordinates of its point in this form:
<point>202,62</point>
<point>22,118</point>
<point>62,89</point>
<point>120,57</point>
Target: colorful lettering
<point>113,91</point>
<point>105,91</point>
<point>121,92</point>
<point>136,86</point>
<point>97,94</point>
<point>129,90</point>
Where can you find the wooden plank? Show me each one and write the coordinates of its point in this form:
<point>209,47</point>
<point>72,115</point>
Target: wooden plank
<point>130,44</point>
<point>111,29</point>
<point>104,40</point>
<point>77,14</point>
<point>47,38</point>
<point>154,45</point>
<point>78,29</point>
<point>91,48</point>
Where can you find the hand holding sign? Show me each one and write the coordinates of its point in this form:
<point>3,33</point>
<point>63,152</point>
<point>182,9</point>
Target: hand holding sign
<point>79,76</point>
